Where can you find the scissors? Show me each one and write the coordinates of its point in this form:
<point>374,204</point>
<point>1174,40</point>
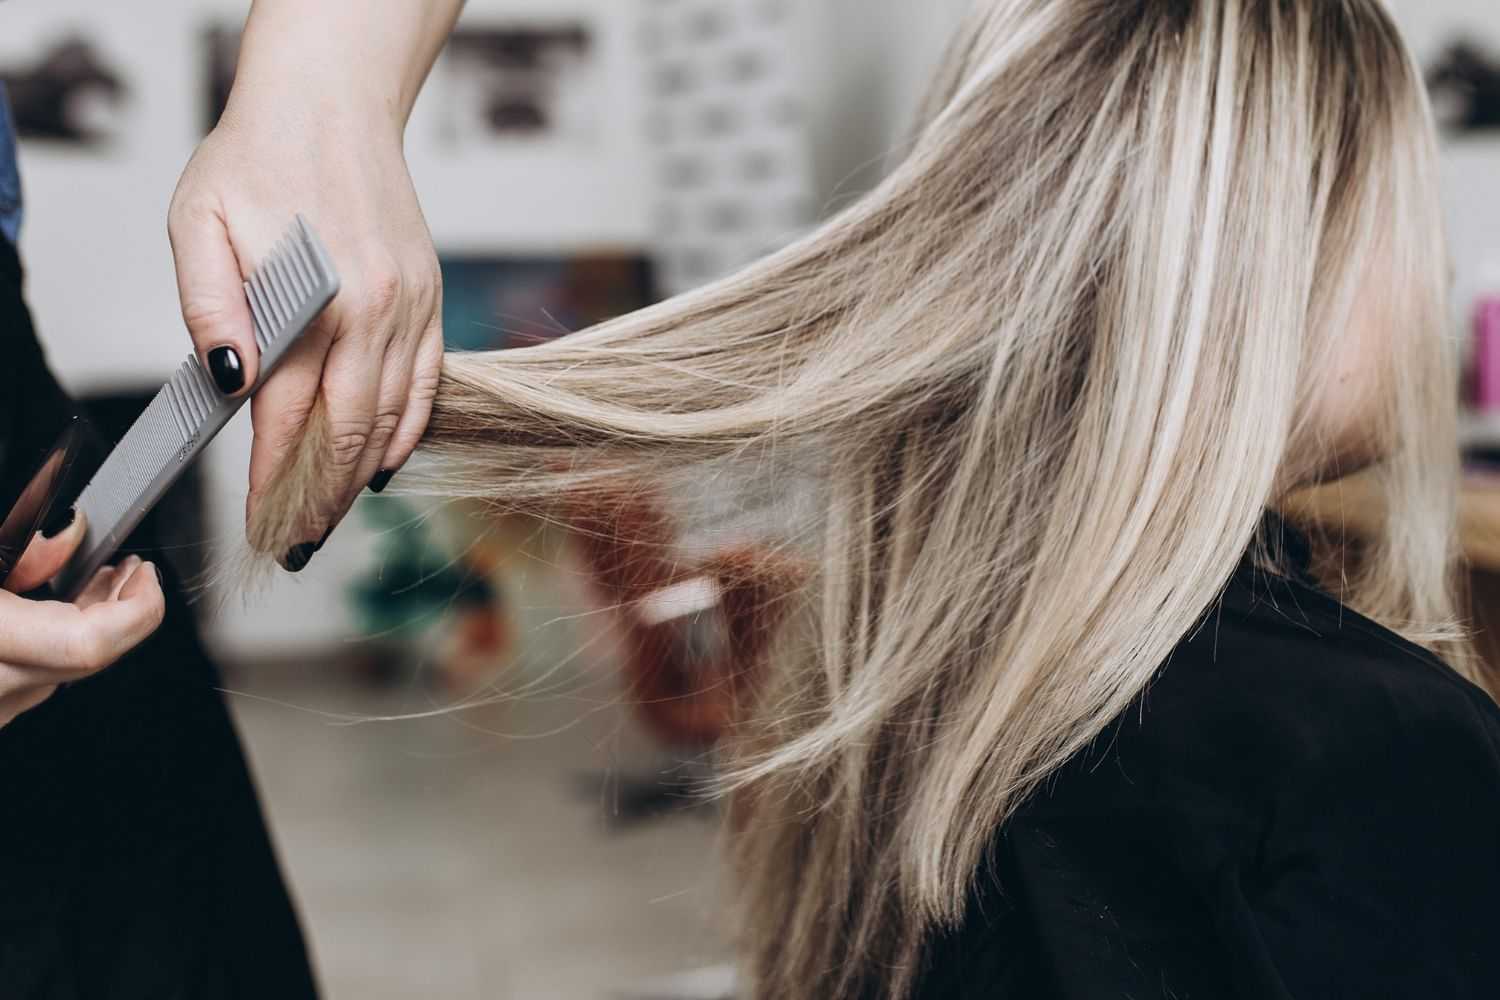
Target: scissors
<point>35,488</point>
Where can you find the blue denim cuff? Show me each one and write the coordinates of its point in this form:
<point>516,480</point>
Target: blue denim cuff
<point>10,174</point>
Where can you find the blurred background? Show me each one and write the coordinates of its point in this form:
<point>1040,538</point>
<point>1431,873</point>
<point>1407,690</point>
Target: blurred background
<point>576,159</point>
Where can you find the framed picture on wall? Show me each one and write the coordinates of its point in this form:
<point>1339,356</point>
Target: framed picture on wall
<point>1465,84</point>
<point>533,82</point>
<point>70,93</point>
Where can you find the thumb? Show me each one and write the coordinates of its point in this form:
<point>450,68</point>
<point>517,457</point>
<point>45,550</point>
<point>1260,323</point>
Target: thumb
<point>46,556</point>
<point>211,286</point>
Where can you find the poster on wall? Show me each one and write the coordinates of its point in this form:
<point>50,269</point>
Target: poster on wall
<point>495,84</point>
<point>1465,85</point>
<point>507,82</point>
<point>69,94</point>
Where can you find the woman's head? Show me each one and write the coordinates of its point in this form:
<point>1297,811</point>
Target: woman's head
<point>1149,264</point>
<point>1265,169</point>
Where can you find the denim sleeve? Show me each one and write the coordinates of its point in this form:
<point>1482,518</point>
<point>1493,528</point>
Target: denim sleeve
<point>10,174</point>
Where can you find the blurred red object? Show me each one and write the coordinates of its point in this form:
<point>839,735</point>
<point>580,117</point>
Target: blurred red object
<point>695,634</point>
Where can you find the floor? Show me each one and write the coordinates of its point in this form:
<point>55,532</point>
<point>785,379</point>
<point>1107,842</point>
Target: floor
<point>482,853</point>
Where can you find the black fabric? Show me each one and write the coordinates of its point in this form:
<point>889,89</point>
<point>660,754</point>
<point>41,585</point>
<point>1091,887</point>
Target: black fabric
<point>134,861</point>
<point>1302,805</point>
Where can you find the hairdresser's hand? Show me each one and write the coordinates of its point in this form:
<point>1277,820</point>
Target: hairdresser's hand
<point>315,125</point>
<point>46,643</point>
<point>372,361</point>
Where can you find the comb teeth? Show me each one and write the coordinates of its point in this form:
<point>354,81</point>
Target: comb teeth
<point>191,397</point>
<point>286,294</point>
<point>282,288</point>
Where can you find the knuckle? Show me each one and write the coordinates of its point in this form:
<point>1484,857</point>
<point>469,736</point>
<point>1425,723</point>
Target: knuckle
<point>295,415</point>
<point>206,312</point>
<point>85,649</point>
<point>382,295</point>
<point>285,423</point>
<point>158,611</point>
<point>384,429</point>
<point>184,213</point>
<point>347,444</point>
<point>424,386</point>
<point>430,296</point>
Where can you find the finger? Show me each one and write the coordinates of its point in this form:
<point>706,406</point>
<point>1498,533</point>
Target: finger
<point>390,413</point>
<point>210,283</point>
<point>123,576</point>
<point>22,700</point>
<point>352,382</point>
<point>70,641</point>
<point>428,369</point>
<point>145,585</point>
<point>45,557</point>
<point>100,588</point>
<point>280,410</point>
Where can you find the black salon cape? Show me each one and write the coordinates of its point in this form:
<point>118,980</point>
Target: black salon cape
<point>134,862</point>
<point>1303,805</point>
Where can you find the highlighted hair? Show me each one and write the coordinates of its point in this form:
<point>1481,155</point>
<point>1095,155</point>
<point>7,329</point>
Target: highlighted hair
<point>1041,385</point>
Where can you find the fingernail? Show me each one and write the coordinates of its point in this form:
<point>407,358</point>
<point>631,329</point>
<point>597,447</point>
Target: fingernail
<point>322,541</point>
<point>59,522</point>
<point>382,480</point>
<point>224,365</point>
<point>299,556</point>
<point>161,581</point>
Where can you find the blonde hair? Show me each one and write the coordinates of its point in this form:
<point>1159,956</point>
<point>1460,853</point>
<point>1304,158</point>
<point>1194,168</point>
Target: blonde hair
<point>1043,383</point>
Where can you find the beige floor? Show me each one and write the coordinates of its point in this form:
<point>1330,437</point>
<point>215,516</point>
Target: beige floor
<point>465,856</point>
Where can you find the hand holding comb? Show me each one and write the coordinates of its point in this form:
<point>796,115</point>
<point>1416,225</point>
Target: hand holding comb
<point>287,292</point>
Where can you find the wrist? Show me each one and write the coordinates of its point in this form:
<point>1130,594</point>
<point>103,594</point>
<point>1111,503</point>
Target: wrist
<point>360,60</point>
<point>291,78</point>
<point>278,100</point>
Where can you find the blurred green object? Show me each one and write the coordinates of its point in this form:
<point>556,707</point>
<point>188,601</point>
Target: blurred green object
<point>491,303</point>
<point>416,579</point>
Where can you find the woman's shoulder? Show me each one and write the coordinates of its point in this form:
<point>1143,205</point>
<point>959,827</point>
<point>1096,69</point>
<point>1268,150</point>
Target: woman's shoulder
<point>1301,803</point>
<point>1280,684</point>
<point>1294,769</point>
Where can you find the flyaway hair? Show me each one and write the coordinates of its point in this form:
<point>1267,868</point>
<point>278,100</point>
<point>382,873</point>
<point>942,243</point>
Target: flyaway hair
<point>1041,385</point>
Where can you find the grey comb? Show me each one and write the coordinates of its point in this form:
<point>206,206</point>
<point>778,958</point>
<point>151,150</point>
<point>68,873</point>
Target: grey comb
<point>286,293</point>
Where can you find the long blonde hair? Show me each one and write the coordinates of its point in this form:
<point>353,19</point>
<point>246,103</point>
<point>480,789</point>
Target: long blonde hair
<point>1042,382</point>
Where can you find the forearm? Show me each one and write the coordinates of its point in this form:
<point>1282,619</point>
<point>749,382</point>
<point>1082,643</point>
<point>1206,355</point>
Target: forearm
<point>365,57</point>
<point>314,125</point>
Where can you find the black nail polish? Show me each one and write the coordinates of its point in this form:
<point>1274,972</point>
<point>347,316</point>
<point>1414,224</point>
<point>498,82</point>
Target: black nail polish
<point>382,480</point>
<point>324,540</point>
<point>59,522</point>
<point>224,365</point>
<point>299,556</point>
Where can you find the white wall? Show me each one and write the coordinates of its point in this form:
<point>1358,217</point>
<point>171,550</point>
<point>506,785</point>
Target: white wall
<point>1471,167</point>
<point>867,64</point>
<point>100,275</point>
<point>100,272</point>
<point>536,198</point>
<point>870,60</point>
<point>535,201</point>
